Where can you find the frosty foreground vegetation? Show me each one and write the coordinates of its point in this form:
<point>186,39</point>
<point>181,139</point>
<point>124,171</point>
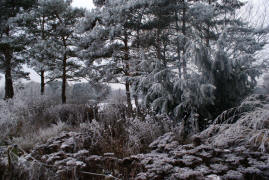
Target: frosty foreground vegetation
<point>235,146</point>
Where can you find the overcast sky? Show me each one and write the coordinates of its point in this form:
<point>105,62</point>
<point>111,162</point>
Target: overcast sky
<point>83,3</point>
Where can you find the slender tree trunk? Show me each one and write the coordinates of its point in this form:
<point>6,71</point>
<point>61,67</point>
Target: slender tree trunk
<point>9,91</point>
<point>64,80</point>
<point>128,95</point>
<point>179,62</point>
<point>138,112</point>
<point>127,68</point>
<point>42,85</point>
<point>184,64</point>
<point>208,30</point>
<point>42,73</point>
<point>178,47</point>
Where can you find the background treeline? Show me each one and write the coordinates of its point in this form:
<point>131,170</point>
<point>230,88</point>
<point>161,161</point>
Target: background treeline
<point>189,60</point>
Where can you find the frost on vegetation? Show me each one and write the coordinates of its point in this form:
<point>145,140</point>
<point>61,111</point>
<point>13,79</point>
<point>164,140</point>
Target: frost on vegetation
<point>41,136</point>
<point>132,135</point>
<point>141,131</point>
<point>71,114</point>
<point>94,129</point>
<point>8,120</point>
<point>22,120</point>
<point>246,124</point>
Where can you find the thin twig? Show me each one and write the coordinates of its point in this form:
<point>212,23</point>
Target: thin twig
<point>103,175</point>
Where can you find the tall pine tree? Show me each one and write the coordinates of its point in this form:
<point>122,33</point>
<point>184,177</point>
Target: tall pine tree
<point>12,41</point>
<point>65,40</point>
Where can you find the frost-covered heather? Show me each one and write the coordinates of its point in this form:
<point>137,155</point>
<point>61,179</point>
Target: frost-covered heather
<point>20,112</point>
<point>30,140</point>
<point>142,133</point>
<point>126,136</point>
<point>8,119</point>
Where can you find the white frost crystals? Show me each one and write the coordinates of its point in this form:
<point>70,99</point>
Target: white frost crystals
<point>8,120</point>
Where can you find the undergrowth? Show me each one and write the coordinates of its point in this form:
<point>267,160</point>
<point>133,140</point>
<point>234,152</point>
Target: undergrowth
<point>245,124</point>
<point>27,121</point>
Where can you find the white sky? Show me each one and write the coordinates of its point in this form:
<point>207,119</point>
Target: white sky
<point>88,4</point>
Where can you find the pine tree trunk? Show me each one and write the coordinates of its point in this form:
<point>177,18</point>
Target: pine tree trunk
<point>42,85</point>
<point>138,112</point>
<point>127,83</point>
<point>9,91</point>
<point>42,73</point>
<point>178,47</point>
<point>128,96</point>
<point>64,81</point>
<point>184,64</point>
<point>179,63</point>
<point>208,31</point>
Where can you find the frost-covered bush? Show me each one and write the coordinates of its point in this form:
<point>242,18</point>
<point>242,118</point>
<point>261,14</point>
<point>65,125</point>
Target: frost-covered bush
<point>126,136</point>
<point>8,120</point>
<point>114,107</point>
<point>105,137</point>
<point>142,133</point>
<point>30,140</point>
<point>22,110</point>
<point>96,131</point>
<point>69,113</point>
<point>246,124</point>
<point>23,113</point>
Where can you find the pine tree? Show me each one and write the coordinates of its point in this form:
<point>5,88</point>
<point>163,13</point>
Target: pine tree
<point>158,63</point>
<point>41,49</point>
<point>224,35</point>
<point>205,43</point>
<point>12,43</point>
<point>116,23</point>
<point>65,40</point>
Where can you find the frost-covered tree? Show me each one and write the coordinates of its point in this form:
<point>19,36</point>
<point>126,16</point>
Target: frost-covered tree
<point>65,39</point>
<point>222,51</point>
<point>12,41</point>
<point>161,64</point>
<point>226,54</point>
<point>112,39</point>
<point>41,48</point>
<point>203,63</point>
